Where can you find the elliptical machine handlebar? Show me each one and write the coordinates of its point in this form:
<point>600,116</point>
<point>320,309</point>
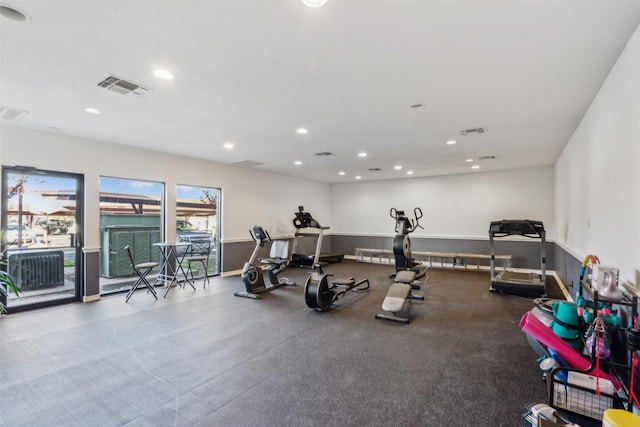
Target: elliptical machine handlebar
<point>405,225</point>
<point>417,212</point>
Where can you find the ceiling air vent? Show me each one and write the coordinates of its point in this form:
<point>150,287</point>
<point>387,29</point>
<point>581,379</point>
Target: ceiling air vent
<point>247,163</point>
<point>375,169</point>
<point>486,157</point>
<point>472,131</point>
<point>324,153</point>
<point>11,114</point>
<point>122,86</point>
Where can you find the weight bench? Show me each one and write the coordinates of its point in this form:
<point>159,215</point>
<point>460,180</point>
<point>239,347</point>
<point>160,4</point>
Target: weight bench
<point>399,297</point>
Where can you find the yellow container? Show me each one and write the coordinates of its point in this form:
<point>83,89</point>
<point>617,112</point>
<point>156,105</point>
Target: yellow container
<point>619,418</point>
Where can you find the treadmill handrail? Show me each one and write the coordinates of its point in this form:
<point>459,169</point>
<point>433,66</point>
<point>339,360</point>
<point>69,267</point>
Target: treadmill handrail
<point>517,227</point>
<point>520,227</point>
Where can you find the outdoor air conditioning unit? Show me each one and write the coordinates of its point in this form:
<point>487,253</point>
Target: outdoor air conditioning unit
<point>37,269</point>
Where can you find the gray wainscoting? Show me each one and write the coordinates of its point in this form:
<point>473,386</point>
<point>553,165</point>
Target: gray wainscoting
<point>525,254</point>
<point>91,279</point>
<point>567,267</point>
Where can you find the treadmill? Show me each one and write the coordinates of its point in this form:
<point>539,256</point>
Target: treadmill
<point>307,226</point>
<point>512,282</point>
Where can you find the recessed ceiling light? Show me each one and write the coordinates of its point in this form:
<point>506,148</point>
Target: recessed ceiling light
<point>475,167</point>
<point>228,145</point>
<point>362,154</point>
<point>297,162</point>
<point>417,106</point>
<point>342,173</point>
<point>314,3</point>
<point>163,74</point>
<point>358,177</point>
<point>92,110</point>
<point>469,160</point>
<point>451,142</point>
<point>409,172</point>
<point>302,131</point>
<point>398,168</point>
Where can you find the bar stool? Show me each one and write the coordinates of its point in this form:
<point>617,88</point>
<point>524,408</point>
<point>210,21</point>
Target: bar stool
<point>199,252</point>
<point>141,269</point>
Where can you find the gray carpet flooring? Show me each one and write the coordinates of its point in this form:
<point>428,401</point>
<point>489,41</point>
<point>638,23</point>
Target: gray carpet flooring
<point>207,358</point>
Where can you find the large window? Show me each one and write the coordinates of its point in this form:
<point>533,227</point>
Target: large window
<point>130,214</point>
<point>197,219</point>
<point>42,237</point>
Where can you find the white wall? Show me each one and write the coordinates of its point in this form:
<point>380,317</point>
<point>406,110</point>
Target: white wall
<point>597,186</point>
<point>249,196</point>
<point>455,206</point>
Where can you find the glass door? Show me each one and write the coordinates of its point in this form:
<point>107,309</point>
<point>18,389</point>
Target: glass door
<point>197,219</point>
<point>41,220</point>
<point>131,214</point>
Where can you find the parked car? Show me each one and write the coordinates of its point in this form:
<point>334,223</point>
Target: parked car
<point>11,233</point>
<point>187,235</point>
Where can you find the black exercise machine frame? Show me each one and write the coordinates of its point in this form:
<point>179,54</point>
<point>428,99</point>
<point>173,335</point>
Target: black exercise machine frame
<point>402,243</point>
<point>320,292</point>
<point>304,221</point>
<point>252,276</point>
<point>518,227</point>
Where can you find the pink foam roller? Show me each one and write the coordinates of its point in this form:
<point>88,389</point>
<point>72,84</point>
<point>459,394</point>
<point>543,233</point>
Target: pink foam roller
<point>532,326</point>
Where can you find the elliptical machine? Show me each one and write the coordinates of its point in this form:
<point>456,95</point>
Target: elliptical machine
<point>320,292</point>
<point>252,275</point>
<point>397,303</point>
<point>402,243</point>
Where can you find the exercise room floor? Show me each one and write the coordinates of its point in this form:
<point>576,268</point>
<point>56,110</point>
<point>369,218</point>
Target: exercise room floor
<point>207,358</point>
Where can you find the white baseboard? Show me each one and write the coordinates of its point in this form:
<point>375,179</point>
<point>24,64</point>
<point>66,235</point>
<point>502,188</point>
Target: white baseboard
<point>231,273</point>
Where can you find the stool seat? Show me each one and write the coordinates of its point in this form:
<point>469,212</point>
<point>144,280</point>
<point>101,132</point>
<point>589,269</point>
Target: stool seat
<point>149,264</point>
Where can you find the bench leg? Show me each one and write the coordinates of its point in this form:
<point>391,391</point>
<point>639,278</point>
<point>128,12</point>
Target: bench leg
<point>392,317</point>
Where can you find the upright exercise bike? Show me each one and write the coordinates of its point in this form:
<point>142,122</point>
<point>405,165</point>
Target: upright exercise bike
<point>252,276</point>
<point>402,243</point>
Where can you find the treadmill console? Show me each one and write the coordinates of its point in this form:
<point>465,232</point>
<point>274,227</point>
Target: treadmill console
<point>519,227</point>
<point>304,219</point>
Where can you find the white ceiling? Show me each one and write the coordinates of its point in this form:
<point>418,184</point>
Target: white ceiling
<point>251,72</point>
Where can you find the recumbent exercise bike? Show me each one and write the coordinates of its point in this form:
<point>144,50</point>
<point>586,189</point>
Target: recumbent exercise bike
<point>252,276</point>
